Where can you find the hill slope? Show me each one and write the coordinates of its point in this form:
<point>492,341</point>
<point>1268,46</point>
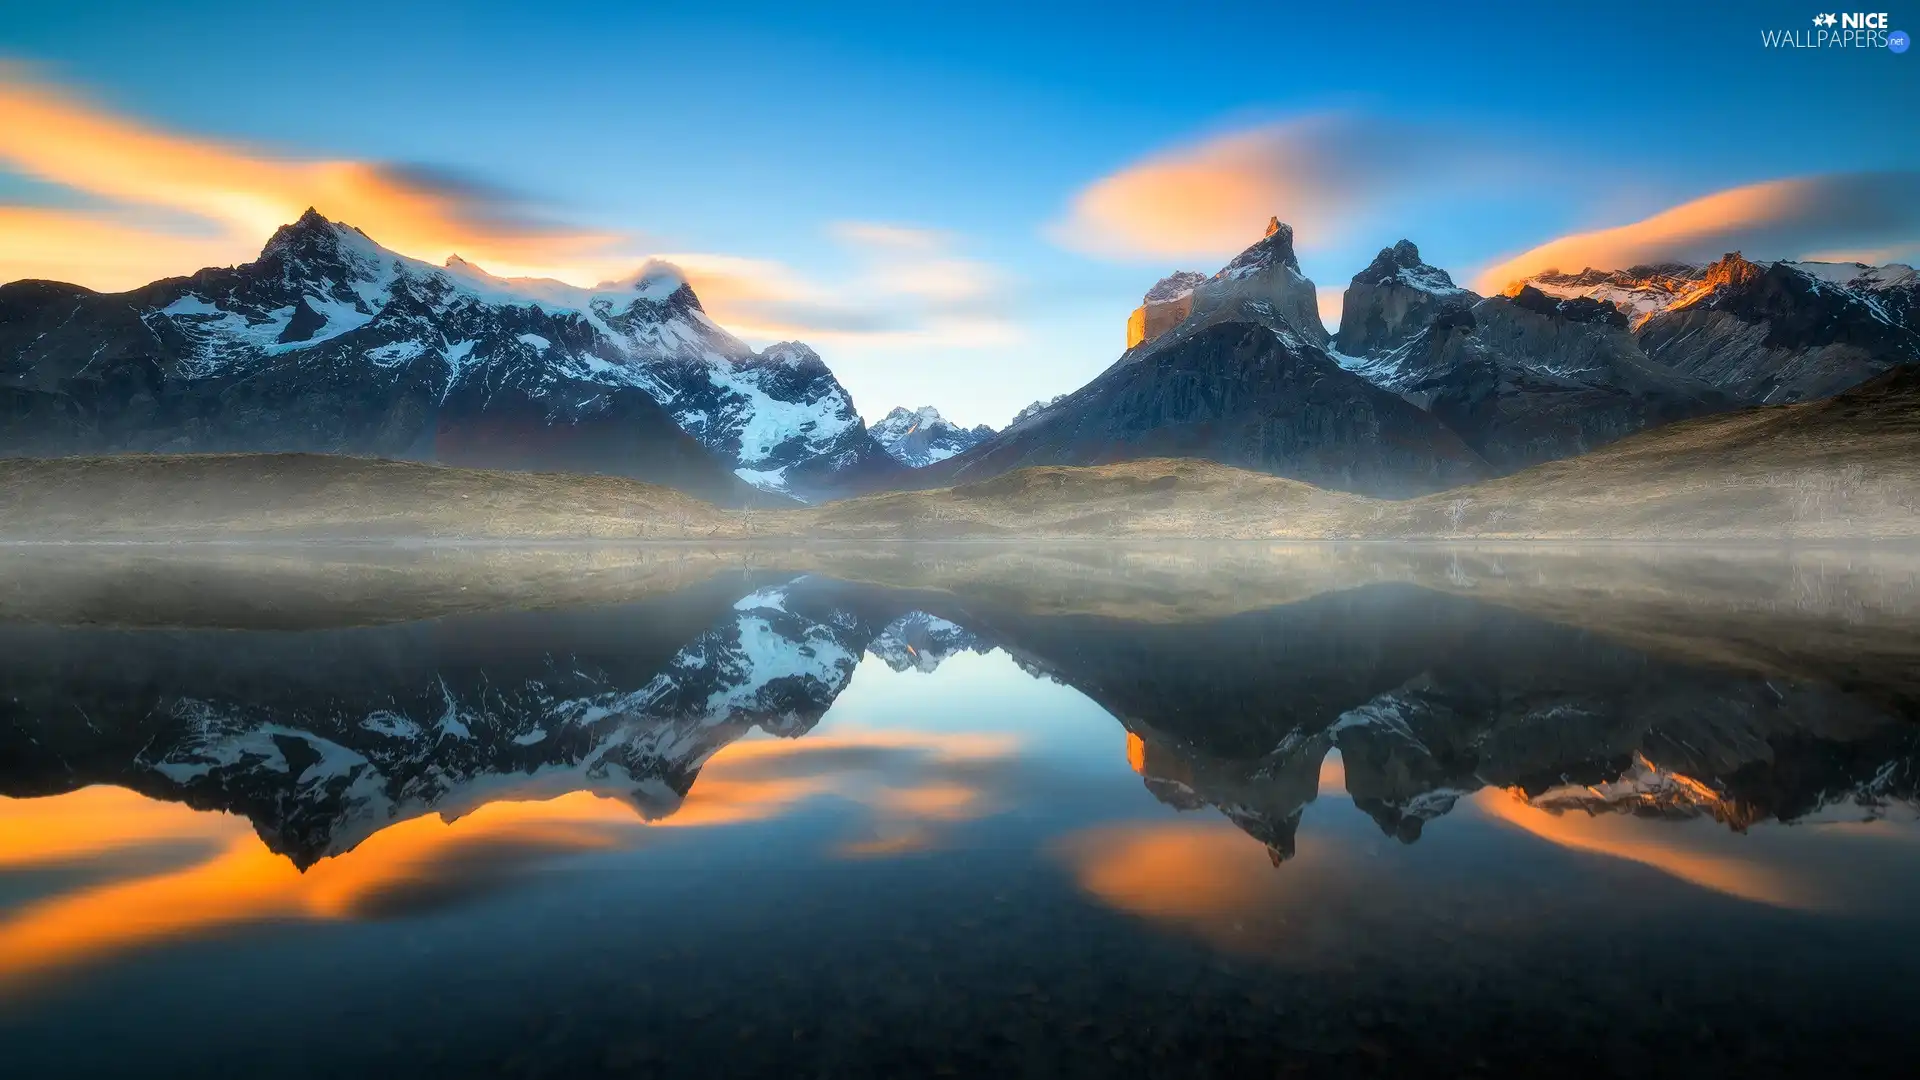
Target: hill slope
<point>321,496</point>
<point>1843,468</point>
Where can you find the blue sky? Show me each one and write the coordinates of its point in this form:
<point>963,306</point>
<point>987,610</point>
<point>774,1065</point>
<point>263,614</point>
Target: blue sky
<point>763,133</point>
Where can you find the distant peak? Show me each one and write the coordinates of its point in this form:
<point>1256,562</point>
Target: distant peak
<point>1582,309</point>
<point>791,353</point>
<point>1273,225</point>
<point>1174,286</point>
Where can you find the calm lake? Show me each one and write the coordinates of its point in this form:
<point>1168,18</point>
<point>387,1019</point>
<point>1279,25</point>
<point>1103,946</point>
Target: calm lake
<point>1230,811</point>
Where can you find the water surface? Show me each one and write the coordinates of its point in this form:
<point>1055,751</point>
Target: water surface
<point>1181,812</point>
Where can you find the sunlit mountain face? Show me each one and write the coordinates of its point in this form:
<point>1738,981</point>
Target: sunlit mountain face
<point>1212,811</point>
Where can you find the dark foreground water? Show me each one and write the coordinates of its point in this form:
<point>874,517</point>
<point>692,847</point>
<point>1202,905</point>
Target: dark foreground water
<point>960,813</point>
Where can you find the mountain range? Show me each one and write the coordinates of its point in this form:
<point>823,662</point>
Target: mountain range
<point>324,735</point>
<point>330,343</point>
<point>1429,385</point>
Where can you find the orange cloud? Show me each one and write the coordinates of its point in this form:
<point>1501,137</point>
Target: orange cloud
<point>908,287</point>
<point>1206,200</point>
<point>1187,872</point>
<point>244,195</point>
<point>1806,217</point>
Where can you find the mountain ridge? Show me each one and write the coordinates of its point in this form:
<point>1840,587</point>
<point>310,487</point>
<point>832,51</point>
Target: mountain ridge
<point>330,342</point>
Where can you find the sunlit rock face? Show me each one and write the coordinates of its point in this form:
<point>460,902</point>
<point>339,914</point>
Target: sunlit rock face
<point>1165,306</point>
<point>1262,282</point>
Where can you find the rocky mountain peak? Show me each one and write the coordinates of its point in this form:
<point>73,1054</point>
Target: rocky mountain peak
<point>311,235</point>
<point>1401,265</point>
<point>920,437</point>
<point>1273,249</point>
<point>1174,286</point>
<point>1730,269</point>
<point>793,354</point>
<point>1396,297</point>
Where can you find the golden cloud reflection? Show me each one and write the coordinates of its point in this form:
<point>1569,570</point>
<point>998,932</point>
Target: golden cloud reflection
<point>1208,879</point>
<point>1183,871</point>
<point>1693,855</point>
<point>909,782</point>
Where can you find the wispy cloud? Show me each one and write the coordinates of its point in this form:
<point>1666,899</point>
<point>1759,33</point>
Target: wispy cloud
<point>160,203</point>
<point>1325,174</point>
<point>1868,216</point>
<point>905,285</point>
<point>238,196</point>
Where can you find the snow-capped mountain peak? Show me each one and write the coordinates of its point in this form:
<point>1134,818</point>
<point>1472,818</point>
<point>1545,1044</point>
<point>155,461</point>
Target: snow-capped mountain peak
<point>1036,408</point>
<point>920,437</point>
<point>424,360</point>
<point>1401,265</point>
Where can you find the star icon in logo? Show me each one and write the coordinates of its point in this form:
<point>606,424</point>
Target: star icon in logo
<point>1824,20</point>
<point>1830,19</point>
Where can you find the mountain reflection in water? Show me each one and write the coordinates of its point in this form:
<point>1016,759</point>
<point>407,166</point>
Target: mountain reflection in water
<point>1345,754</point>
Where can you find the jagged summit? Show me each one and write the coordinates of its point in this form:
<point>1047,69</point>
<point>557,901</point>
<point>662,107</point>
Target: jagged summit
<point>1401,265</point>
<point>1730,269</point>
<point>919,437</point>
<point>1275,248</point>
<point>1174,286</point>
<point>1394,298</point>
<point>793,354</point>
<point>313,233</point>
<point>1262,283</point>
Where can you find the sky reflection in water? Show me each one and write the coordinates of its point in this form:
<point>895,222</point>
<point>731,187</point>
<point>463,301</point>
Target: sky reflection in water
<point>1005,792</point>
